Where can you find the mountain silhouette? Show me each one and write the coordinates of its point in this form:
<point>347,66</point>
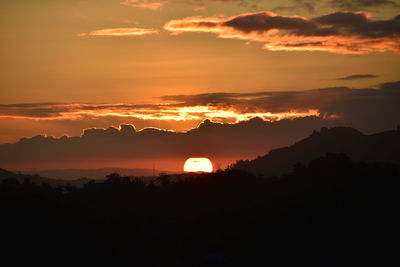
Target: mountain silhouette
<point>380,147</point>
<point>96,174</point>
<point>38,179</point>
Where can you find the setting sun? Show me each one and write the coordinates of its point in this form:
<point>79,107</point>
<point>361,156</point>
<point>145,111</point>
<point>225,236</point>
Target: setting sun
<point>198,165</point>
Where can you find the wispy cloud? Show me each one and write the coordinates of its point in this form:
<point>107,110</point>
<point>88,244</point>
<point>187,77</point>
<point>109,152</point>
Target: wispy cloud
<point>308,5</point>
<point>353,5</point>
<point>195,5</point>
<point>339,32</point>
<point>357,4</point>
<point>357,76</point>
<point>144,4</point>
<point>121,32</point>
<point>167,112</point>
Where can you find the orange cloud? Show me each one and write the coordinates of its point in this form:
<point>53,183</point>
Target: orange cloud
<point>351,105</point>
<point>339,32</point>
<point>164,112</point>
<point>121,32</point>
<point>143,4</point>
<point>195,5</point>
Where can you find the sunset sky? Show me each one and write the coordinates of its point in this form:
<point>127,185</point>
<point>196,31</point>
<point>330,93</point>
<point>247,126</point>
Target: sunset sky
<point>71,65</point>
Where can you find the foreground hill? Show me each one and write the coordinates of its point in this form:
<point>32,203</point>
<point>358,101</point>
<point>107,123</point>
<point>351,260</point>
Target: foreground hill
<point>380,147</point>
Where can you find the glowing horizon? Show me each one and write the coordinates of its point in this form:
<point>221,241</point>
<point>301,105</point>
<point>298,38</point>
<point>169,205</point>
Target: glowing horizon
<point>162,112</point>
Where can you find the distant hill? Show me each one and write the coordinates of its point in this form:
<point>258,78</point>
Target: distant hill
<point>380,147</point>
<point>37,179</point>
<point>97,174</point>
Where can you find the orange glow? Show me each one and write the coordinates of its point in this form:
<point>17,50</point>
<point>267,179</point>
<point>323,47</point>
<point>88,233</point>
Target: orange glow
<point>121,32</point>
<point>143,4</point>
<point>162,112</point>
<point>281,39</point>
<point>198,165</point>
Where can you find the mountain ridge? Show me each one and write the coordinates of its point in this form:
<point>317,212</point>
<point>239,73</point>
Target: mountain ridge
<point>96,174</point>
<point>379,147</point>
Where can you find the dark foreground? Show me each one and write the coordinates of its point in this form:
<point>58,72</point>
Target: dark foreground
<point>331,213</point>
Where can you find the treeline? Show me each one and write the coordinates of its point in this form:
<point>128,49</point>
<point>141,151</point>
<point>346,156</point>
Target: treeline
<point>333,212</point>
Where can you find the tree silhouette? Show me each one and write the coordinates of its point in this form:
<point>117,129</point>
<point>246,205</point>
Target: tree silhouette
<point>332,211</point>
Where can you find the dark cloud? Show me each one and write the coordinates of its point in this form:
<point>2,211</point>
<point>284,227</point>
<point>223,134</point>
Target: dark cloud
<point>343,19</point>
<point>369,110</point>
<point>358,23</point>
<point>264,21</point>
<point>265,101</point>
<point>212,98</point>
<point>126,147</point>
<point>357,77</point>
<point>340,32</point>
<point>357,4</point>
<point>340,23</point>
<point>64,110</point>
<point>308,5</point>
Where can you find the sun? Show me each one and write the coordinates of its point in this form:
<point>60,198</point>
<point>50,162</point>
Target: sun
<point>198,165</point>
